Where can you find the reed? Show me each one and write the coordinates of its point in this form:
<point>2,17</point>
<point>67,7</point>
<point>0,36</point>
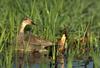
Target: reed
<point>50,16</point>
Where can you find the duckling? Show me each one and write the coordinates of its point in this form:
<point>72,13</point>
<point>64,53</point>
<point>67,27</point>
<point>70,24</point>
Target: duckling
<point>61,50</point>
<point>61,42</point>
<point>31,41</point>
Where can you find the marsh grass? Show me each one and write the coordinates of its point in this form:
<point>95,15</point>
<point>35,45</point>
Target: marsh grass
<point>50,17</point>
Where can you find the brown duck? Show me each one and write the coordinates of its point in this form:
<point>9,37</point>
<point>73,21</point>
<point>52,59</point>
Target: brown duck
<point>61,43</point>
<point>30,42</point>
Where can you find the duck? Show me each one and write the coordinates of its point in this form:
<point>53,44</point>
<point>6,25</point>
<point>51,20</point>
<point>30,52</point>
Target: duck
<point>30,45</point>
<point>30,41</point>
<point>84,47</point>
<point>62,42</point>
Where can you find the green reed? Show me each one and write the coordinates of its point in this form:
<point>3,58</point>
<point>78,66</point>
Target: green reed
<point>50,16</point>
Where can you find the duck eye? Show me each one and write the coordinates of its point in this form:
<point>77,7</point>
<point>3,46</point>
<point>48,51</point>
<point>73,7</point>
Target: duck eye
<point>25,18</point>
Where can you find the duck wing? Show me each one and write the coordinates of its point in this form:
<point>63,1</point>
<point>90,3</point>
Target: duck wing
<point>37,41</point>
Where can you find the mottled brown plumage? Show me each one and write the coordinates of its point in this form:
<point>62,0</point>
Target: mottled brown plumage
<point>30,45</point>
<point>32,42</point>
<point>61,44</point>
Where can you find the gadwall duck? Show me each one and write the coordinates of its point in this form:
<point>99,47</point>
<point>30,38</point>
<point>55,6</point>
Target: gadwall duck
<point>30,44</point>
<point>30,41</point>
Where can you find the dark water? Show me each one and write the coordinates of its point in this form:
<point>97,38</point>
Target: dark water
<point>90,65</point>
<point>76,64</point>
<point>82,64</point>
<point>37,60</point>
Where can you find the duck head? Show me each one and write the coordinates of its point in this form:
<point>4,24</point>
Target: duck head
<point>25,22</point>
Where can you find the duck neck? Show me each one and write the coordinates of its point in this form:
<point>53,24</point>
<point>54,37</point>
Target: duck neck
<point>22,28</point>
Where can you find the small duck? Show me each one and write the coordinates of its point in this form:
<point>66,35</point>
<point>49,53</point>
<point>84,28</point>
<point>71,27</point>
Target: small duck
<point>61,43</point>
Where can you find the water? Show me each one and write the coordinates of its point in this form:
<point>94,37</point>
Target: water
<point>37,60</point>
<point>90,65</point>
<point>76,64</point>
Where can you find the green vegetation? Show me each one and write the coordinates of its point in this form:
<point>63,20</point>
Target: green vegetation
<point>50,16</point>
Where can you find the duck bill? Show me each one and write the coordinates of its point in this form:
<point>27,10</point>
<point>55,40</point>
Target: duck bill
<point>33,23</point>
